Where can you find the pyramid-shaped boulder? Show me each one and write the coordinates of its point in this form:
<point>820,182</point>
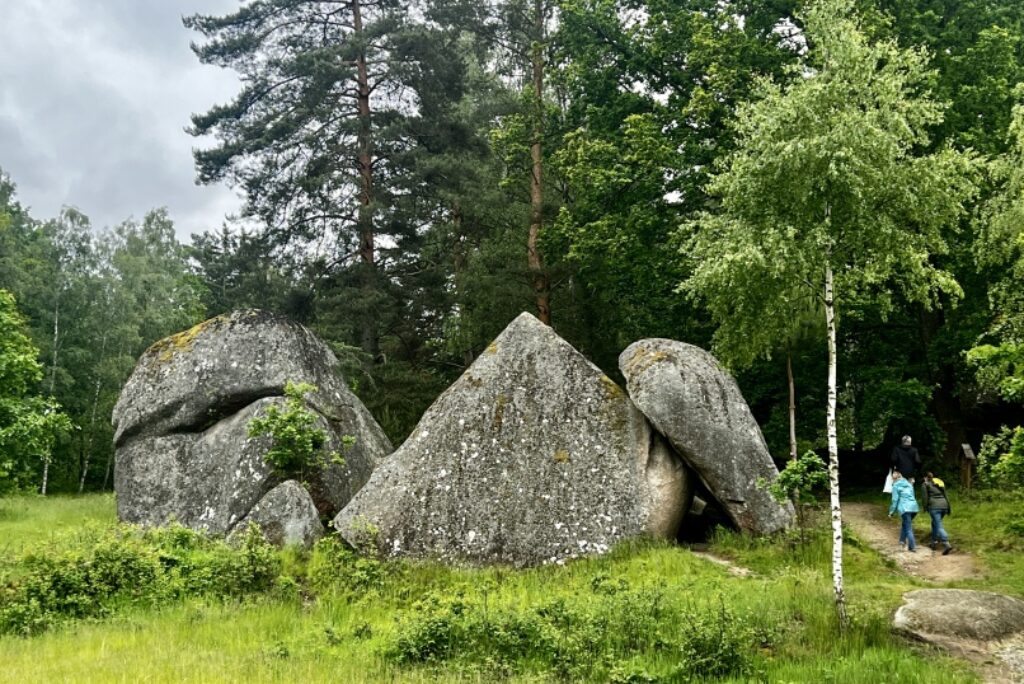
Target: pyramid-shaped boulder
<point>532,456</point>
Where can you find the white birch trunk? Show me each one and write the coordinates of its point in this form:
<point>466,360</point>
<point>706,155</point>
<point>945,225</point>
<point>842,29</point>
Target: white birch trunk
<point>53,382</point>
<point>92,418</point>
<point>833,457</point>
<point>792,405</point>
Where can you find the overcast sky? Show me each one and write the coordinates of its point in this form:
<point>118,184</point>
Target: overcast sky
<point>94,97</point>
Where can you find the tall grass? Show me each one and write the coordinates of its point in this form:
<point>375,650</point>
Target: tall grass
<point>28,520</point>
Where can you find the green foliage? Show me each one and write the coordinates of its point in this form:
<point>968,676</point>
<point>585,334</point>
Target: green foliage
<point>1000,369</point>
<point>828,172</point>
<point>1001,459</point>
<point>797,483</point>
<point>98,572</point>
<point>591,637</point>
<point>799,480</point>
<point>336,568</point>
<point>1000,252</point>
<point>298,445</point>
<point>29,424</point>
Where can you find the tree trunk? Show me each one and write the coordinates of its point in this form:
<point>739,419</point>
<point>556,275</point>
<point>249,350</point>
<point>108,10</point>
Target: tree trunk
<point>370,340</point>
<point>92,417</point>
<point>792,405</point>
<point>106,474</point>
<point>541,285</point>
<point>945,402</point>
<point>833,457</point>
<point>53,382</point>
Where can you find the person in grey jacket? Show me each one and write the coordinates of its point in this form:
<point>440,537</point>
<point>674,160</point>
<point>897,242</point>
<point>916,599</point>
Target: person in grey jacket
<point>937,504</point>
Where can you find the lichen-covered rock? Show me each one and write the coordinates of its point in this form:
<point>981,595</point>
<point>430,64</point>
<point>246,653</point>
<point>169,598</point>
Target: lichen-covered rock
<point>286,516</point>
<point>697,406</point>
<point>532,456</point>
<point>182,446</point>
<point>936,614</point>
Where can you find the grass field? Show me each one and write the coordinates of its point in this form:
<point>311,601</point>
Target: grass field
<point>627,617</point>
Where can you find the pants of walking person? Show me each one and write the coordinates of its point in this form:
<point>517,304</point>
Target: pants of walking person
<point>907,531</point>
<point>938,531</point>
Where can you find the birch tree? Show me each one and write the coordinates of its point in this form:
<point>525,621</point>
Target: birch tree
<point>830,194</point>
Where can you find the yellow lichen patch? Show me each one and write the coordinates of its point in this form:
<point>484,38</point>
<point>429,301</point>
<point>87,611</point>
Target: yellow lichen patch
<point>500,402</point>
<point>183,341</point>
<point>562,456</point>
<point>492,348</point>
<point>642,359</point>
<point>611,388</point>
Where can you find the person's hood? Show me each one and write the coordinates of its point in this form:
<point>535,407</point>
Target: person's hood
<point>905,449</point>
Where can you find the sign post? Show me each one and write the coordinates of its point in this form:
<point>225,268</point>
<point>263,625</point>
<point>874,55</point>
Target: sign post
<point>966,465</point>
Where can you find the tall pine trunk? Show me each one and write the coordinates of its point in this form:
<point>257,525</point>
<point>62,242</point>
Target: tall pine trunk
<point>370,340</point>
<point>541,285</point>
<point>833,457</point>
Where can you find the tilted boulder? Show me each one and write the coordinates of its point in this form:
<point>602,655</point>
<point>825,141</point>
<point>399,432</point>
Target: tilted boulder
<point>181,422</point>
<point>698,407</point>
<point>532,456</point>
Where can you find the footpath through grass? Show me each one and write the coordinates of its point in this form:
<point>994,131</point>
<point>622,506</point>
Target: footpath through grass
<point>645,613</point>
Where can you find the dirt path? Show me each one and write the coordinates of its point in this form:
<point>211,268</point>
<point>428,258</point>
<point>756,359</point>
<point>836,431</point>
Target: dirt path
<point>994,662</point>
<point>732,568</point>
<point>870,523</point>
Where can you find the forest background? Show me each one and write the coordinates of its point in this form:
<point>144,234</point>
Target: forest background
<point>416,175</point>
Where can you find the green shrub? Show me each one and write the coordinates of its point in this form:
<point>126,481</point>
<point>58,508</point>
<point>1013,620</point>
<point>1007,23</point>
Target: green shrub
<point>797,483</point>
<point>96,572</point>
<point>298,445</point>
<point>334,567</point>
<point>1001,459</point>
<point>1015,526</point>
<point>596,636</point>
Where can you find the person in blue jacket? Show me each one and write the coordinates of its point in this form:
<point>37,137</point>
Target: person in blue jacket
<point>904,502</point>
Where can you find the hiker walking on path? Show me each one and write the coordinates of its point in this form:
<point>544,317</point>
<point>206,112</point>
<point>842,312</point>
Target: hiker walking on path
<point>937,504</point>
<point>905,458</point>
<point>904,502</point>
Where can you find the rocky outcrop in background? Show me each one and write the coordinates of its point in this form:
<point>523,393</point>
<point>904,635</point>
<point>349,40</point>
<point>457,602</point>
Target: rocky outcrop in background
<point>532,456</point>
<point>182,446</point>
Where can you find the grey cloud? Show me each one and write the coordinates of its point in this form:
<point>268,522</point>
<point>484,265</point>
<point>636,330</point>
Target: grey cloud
<point>94,97</point>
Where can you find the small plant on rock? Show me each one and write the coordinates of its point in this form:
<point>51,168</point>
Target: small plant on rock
<point>298,445</point>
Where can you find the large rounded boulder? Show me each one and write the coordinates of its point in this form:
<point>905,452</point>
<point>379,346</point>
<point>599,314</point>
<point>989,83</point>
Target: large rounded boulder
<point>698,407</point>
<point>940,614</point>
<point>532,456</point>
<point>183,451</point>
<point>980,625</point>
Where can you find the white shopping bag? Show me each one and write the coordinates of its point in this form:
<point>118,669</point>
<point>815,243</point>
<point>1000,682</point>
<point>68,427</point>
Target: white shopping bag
<point>887,489</point>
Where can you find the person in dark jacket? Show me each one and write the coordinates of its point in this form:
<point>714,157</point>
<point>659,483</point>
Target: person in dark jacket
<point>937,504</point>
<point>905,459</point>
